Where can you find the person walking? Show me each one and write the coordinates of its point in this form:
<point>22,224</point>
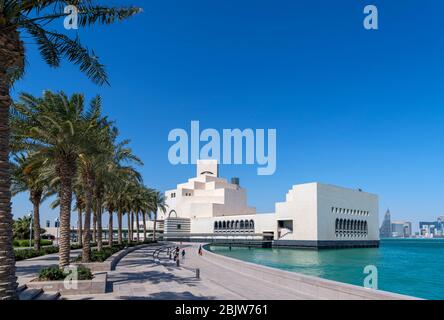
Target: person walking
<point>200,250</point>
<point>183,253</point>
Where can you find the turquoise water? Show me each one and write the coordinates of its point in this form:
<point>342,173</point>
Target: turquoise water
<point>408,266</point>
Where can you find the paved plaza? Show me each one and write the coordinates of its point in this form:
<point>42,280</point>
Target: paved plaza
<point>140,276</point>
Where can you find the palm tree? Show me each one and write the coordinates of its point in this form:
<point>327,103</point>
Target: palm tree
<point>21,227</point>
<point>158,203</point>
<point>56,129</point>
<point>80,206</point>
<point>32,17</point>
<point>93,150</point>
<point>26,177</point>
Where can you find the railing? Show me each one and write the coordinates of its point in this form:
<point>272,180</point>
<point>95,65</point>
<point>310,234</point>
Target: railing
<point>285,232</point>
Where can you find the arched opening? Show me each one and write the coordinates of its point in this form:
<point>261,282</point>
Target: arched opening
<point>252,225</point>
<point>215,225</point>
<point>347,228</point>
<point>171,213</point>
<point>242,224</point>
<point>237,225</point>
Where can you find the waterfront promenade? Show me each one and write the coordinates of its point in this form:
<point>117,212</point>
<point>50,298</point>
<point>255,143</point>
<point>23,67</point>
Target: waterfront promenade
<point>143,275</point>
<point>138,276</point>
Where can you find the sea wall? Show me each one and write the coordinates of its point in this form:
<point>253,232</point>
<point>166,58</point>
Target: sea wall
<point>311,287</point>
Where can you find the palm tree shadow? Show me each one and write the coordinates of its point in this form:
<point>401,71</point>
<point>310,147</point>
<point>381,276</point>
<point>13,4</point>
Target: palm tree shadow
<point>148,277</point>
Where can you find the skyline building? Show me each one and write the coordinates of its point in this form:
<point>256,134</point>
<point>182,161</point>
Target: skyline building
<point>386,228</point>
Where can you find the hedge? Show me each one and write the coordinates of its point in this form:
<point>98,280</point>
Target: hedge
<point>25,243</point>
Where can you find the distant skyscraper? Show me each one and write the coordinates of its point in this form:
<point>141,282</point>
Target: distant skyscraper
<point>433,228</point>
<point>401,229</point>
<point>386,228</point>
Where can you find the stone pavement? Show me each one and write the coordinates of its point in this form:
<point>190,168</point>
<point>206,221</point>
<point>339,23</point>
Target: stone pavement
<point>139,276</point>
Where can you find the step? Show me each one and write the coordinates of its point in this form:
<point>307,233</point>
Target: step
<point>49,296</point>
<point>30,294</point>
<point>21,288</point>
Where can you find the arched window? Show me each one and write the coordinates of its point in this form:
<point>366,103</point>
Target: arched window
<point>242,224</point>
<point>348,228</point>
<point>252,225</point>
<point>365,228</point>
<point>236,226</point>
<point>232,224</point>
<point>224,225</point>
<point>215,225</point>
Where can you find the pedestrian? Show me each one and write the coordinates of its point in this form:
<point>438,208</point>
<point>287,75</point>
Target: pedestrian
<point>200,250</point>
<point>183,253</point>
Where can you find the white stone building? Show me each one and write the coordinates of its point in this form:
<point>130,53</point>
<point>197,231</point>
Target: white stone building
<point>313,214</point>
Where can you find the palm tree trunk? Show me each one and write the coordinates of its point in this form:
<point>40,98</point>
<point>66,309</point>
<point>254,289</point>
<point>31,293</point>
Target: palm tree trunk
<point>94,235</point>
<point>8,280</point>
<point>66,169</point>
<point>154,226</point>
<point>110,228</point>
<point>36,197</point>
<point>132,226</point>
<point>144,225</point>
<point>79,227</point>
<point>129,226</point>
<point>119,222</point>
<point>99,224</point>
<point>137,226</point>
<point>86,251</point>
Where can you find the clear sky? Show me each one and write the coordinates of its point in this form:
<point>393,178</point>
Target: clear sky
<point>352,107</point>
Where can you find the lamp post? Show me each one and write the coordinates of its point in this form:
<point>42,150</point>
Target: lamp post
<point>57,223</point>
<point>30,230</point>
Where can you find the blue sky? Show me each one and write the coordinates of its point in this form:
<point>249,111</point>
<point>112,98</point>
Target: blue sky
<point>352,107</point>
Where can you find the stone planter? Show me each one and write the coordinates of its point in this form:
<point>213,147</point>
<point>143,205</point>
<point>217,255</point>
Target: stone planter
<point>95,286</point>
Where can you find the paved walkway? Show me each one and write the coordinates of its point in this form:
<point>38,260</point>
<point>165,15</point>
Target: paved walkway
<point>139,277</point>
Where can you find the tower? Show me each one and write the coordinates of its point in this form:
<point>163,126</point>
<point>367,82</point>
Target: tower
<point>386,228</point>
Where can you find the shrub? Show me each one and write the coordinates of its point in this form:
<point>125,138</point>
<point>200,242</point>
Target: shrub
<point>57,274</point>
<point>52,274</point>
<point>25,254</point>
<point>25,242</point>
<point>22,254</point>
<point>49,250</point>
<point>84,273</point>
